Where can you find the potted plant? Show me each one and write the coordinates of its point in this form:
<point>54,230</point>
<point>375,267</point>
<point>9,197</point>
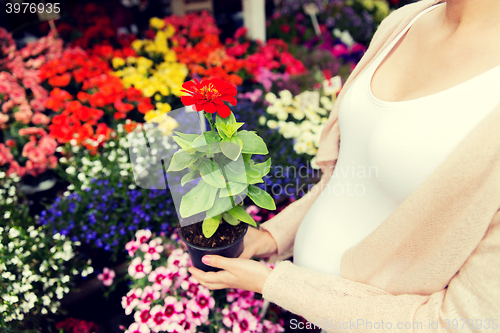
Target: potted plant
<point>221,160</point>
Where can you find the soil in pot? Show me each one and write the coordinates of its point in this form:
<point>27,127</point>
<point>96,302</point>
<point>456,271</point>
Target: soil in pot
<point>225,234</point>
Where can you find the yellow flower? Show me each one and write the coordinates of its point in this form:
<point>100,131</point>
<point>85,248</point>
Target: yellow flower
<point>163,89</point>
<point>117,62</point>
<point>157,97</point>
<point>137,45</point>
<point>170,56</point>
<point>151,115</point>
<point>156,23</point>
<point>131,60</point>
<point>168,125</point>
<point>169,31</point>
<point>149,90</point>
<point>163,107</point>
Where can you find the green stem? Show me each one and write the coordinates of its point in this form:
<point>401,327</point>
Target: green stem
<point>210,121</point>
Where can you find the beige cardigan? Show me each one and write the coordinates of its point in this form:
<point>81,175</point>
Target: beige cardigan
<point>436,258</point>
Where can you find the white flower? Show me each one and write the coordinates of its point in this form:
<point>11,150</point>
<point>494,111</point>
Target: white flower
<point>270,97</point>
<point>13,233</point>
<point>71,170</point>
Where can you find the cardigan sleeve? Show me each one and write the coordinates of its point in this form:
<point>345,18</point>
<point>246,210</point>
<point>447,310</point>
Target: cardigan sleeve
<point>470,302</point>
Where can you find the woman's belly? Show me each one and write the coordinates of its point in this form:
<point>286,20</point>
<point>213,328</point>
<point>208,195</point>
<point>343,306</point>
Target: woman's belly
<point>348,210</point>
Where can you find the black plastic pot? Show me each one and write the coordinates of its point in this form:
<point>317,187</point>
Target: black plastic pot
<point>232,250</point>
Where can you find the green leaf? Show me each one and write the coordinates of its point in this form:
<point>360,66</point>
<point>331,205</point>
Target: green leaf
<point>210,225</point>
<point>231,147</point>
<point>223,130</point>
<point>181,160</point>
<point>234,127</point>
<point>190,176</point>
<point>242,215</point>
<point>220,206</point>
<point>235,188</point>
<point>210,172</point>
<point>230,219</point>
<point>235,171</point>
<point>184,144</point>
<point>263,168</point>
<point>195,165</point>
<point>261,198</point>
<point>188,137</point>
<point>207,142</point>
<point>229,120</point>
<point>247,157</point>
<point>252,143</point>
<point>199,199</point>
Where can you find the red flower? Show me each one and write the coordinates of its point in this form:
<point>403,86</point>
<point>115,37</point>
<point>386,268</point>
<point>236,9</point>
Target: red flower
<point>209,95</point>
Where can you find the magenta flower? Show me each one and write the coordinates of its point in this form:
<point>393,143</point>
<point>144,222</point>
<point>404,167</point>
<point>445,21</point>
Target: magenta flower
<point>106,276</point>
<point>204,300</point>
<point>139,269</point>
<point>191,285</point>
<point>152,250</point>
<point>246,322</point>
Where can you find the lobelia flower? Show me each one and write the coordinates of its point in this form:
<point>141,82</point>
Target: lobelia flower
<point>209,96</point>
<point>106,276</point>
<point>152,250</point>
<point>139,269</point>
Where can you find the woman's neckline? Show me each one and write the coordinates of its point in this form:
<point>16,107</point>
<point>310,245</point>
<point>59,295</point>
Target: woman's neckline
<point>384,55</point>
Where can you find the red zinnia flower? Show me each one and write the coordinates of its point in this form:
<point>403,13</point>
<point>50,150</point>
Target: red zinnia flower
<point>209,95</point>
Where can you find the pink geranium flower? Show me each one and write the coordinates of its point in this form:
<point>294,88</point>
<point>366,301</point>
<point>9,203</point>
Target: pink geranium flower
<point>152,250</point>
<point>130,301</point>
<point>106,276</point>
<point>139,269</point>
<point>138,328</point>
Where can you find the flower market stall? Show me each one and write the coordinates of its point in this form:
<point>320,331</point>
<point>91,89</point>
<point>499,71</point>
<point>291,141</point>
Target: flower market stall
<point>83,247</point>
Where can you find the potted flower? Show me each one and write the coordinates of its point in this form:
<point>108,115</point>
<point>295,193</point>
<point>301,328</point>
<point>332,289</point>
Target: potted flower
<point>221,161</point>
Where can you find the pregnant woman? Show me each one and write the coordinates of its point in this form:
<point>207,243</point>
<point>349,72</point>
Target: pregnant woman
<point>403,230</point>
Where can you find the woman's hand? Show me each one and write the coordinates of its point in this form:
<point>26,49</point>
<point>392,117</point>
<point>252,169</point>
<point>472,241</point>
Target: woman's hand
<point>237,273</point>
<point>258,243</point>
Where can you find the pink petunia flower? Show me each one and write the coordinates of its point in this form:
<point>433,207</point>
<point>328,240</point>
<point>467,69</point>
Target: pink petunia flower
<point>139,269</point>
<point>106,276</point>
<point>152,250</point>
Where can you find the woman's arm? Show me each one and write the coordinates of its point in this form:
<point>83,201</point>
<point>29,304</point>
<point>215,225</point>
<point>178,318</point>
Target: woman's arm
<point>470,303</point>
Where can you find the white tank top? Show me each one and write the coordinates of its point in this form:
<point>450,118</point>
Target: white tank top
<point>387,150</point>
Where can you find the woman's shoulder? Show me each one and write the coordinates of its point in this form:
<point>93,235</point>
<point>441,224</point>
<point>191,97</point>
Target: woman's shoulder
<point>400,17</point>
